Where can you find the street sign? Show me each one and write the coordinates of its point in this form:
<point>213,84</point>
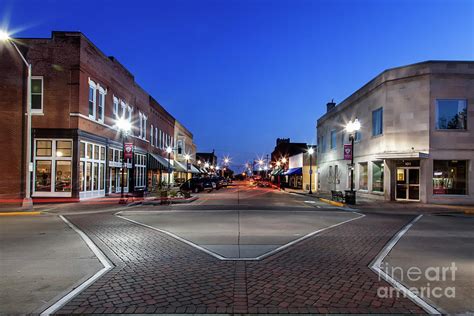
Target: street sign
<point>128,151</point>
<point>347,152</point>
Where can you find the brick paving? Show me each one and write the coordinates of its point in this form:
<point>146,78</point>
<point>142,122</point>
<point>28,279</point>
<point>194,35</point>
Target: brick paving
<point>155,273</point>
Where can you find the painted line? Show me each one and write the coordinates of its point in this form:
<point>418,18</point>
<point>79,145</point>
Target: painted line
<point>332,202</point>
<point>377,263</point>
<point>103,260</point>
<point>265,255</point>
<point>19,213</point>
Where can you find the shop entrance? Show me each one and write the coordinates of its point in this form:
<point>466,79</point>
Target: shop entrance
<point>408,184</point>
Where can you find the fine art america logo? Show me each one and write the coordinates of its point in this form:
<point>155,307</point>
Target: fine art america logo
<point>430,282</point>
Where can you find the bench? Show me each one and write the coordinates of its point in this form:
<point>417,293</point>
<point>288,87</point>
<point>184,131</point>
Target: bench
<point>337,196</point>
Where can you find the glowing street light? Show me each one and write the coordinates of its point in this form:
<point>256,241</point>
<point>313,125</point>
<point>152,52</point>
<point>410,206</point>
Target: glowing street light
<point>206,165</point>
<point>283,160</point>
<point>310,152</point>
<point>352,128</point>
<point>27,201</point>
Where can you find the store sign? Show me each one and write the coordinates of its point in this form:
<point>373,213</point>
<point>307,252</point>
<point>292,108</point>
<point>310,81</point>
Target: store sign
<point>347,152</point>
<point>128,150</point>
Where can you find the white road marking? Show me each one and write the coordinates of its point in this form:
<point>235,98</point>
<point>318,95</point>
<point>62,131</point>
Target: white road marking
<point>103,260</point>
<point>376,267</point>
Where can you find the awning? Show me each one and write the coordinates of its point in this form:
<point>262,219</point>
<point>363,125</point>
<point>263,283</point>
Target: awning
<point>277,172</point>
<point>294,172</point>
<point>194,169</point>
<point>179,166</point>
<point>402,155</point>
<point>156,162</point>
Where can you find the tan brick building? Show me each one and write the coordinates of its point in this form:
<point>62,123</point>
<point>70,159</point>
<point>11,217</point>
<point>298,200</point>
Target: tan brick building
<point>416,141</point>
<point>78,94</point>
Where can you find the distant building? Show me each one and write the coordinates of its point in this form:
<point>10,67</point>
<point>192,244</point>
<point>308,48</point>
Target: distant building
<point>416,141</point>
<point>185,153</point>
<point>202,159</point>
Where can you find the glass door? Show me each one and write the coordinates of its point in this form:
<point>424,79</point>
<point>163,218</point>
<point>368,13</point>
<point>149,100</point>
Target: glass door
<point>408,184</point>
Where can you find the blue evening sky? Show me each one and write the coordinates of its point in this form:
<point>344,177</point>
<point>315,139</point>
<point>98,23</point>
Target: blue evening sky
<point>240,73</point>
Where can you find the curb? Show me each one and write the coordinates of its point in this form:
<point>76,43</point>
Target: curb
<point>160,202</point>
<point>19,213</point>
<point>340,204</point>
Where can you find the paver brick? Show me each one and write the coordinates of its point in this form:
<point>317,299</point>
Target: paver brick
<point>155,273</point>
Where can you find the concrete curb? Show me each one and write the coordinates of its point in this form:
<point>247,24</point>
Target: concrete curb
<point>340,204</point>
<point>160,202</point>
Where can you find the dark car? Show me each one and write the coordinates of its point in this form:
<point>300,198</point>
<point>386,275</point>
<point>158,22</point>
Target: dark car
<point>218,183</point>
<point>198,185</point>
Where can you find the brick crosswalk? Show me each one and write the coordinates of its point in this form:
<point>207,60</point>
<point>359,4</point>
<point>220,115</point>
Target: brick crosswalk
<point>155,273</point>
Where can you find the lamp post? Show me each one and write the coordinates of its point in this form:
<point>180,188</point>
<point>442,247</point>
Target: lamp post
<point>226,164</point>
<point>124,126</point>
<point>168,151</point>
<point>187,157</point>
<point>278,164</point>
<point>310,152</point>
<point>352,128</point>
<point>27,201</point>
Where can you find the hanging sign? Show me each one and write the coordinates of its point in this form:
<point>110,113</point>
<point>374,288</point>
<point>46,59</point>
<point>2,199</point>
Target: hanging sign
<point>128,150</point>
<point>347,152</point>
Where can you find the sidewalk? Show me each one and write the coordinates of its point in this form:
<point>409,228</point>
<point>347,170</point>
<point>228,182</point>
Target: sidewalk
<point>373,205</point>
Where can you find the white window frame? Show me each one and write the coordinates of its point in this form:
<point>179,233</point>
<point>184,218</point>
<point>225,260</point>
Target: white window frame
<point>103,93</point>
<point>145,118</point>
<point>53,158</point>
<point>156,136</point>
<point>152,140</point>
<point>93,193</point>
<point>116,107</point>
<point>140,121</point>
<point>38,111</point>
<point>92,85</point>
<point>123,106</point>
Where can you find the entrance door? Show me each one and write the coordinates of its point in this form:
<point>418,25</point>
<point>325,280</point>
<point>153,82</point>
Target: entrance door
<point>408,184</point>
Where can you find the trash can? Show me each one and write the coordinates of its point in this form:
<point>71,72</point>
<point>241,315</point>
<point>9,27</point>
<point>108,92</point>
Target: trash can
<point>139,193</point>
<point>350,197</point>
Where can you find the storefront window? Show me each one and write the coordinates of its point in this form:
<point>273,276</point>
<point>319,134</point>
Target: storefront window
<point>88,176</point>
<point>44,148</point>
<point>43,176</point>
<point>363,176</point>
<point>102,176</point>
<point>83,150</point>
<point>377,176</point>
<point>89,151</point>
<point>63,176</point>
<point>449,177</point>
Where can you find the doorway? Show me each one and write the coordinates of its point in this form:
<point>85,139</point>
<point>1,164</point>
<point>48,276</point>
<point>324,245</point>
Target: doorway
<point>408,184</point>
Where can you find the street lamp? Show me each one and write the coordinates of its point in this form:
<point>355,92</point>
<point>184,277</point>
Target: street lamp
<point>124,126</point>
<point>168,151</point>
<point>310,152</point>
<point>27,201</point>
<point>187,157</point>
<point>352,128</point>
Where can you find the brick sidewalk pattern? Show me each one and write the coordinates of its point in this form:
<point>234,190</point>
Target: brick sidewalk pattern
<point>155,273</point>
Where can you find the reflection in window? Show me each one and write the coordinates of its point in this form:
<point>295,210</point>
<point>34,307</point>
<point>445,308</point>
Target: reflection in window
<point>377,176</point>
<point>43,148</point>
<point>81,176</point>
<point>63,148</point>
<point>43,176</point>
<point>377,122</point>
<point>63,176</point>
<point>449,177</point>
<point>363,176</point>
<point>451,114</point>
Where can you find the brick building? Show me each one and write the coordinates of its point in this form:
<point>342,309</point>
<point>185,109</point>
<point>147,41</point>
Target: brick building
<point>78,94</point>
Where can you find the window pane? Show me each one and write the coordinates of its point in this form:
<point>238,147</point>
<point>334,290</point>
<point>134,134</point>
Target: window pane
<point>63,148</point>
<point>43,176</point>
<point>63,176</point>
<point>377,122</point>
<point>451,114</point>
<point>449,177</point>
<point>83,150</point>
<point>91,100</point>
<point>363,176</point>
<point>102,153</point>
<point>43,148</point>
<point>95,175</point>
<point>36,102</point>
<point>102,176</point>
<point>333,139</point>
<point>36,86</point>
<point>96,152</point>
<point>377,176</point>
<point>88,176</point>
<point>89,151</point>
<point>81,176</point>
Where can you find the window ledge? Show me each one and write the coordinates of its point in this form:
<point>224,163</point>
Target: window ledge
<point>377,136</point>
<point>452,130</point>
<point>37,113</point>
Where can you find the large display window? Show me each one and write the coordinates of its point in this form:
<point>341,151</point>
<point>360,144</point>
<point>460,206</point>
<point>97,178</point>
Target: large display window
<point>52,167</point>
<point>92,170</point>
<point>450,177</point>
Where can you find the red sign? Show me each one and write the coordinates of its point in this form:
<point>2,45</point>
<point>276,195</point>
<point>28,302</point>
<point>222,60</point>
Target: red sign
<point>347,152</point>
<point>128,151</point>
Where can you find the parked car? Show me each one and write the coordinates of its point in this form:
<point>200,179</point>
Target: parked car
<point>217,182</point>
<point>195,185</point>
